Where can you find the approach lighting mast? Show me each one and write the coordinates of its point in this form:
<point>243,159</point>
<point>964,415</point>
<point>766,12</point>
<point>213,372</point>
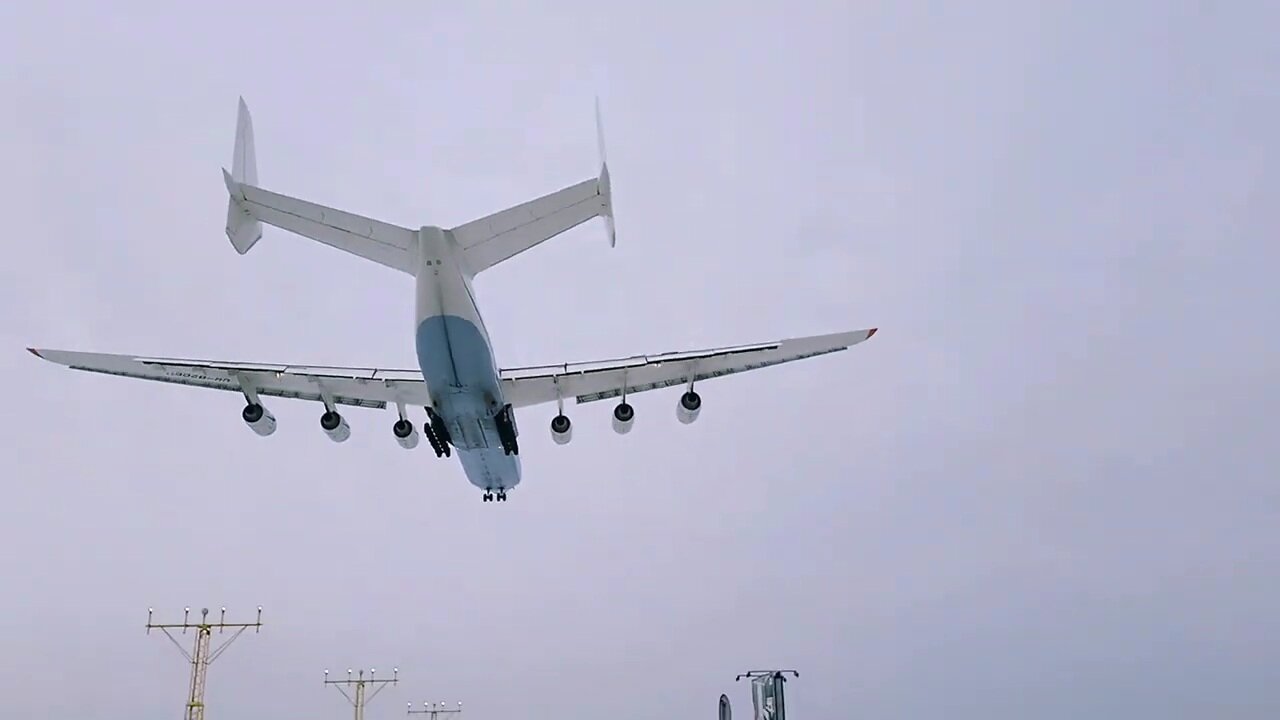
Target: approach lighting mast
<point>204,653</point>
<point>359,682</point>
<point>434,709</point>
<point>767,690</point>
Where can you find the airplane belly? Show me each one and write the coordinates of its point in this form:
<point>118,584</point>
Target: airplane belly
<point>490,468</point>
<point>453,354</point>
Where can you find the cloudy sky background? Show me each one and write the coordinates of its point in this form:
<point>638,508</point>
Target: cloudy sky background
<point>1047,488</point>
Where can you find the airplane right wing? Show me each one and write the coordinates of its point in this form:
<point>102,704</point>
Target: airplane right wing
<point>591,381</point>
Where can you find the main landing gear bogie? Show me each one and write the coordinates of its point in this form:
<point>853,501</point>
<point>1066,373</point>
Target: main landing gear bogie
<point>505,420</point>
<point>490,496</point>
<point>437,434</point>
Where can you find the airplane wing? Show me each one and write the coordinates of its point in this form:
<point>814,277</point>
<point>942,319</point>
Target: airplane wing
<point>359,387</point>
<point>591,381</point>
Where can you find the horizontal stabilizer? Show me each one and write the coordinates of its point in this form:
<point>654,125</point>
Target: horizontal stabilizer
<point>503,235</point>
<point>249,206</point>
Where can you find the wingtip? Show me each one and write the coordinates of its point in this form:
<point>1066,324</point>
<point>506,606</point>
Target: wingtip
<point>871,332</point>
<point>35,352</point>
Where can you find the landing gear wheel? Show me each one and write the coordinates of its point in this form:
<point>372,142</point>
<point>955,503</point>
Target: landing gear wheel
<point>504,419</point>
<point>440,446</point>
<point>488,496</point>
<point>502,496</point>
<point>437,434</point>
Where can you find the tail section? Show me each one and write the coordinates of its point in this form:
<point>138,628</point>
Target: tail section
<point>484,242</point>
<point>606,190</point>
<point>243,229</point>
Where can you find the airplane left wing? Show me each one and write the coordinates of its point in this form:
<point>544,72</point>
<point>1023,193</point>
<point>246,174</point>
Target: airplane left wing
<point>591,381</point>
<point>359,387</point>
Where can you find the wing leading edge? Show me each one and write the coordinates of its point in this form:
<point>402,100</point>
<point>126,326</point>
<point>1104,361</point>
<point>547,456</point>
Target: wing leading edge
<point>591,381</point>
<point>358,387</point>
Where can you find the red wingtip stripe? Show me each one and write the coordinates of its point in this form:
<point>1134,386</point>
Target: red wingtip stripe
<point>871,332</point>
<point>35,352</point>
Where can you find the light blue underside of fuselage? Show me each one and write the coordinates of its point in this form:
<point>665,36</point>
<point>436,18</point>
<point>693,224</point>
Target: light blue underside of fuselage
<point>458,366</point>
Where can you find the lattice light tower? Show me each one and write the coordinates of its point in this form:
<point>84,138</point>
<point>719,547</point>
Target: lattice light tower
<point>204,653</point>
<point>359,682</point>
<point>434,709</point>
<point>767,691</point>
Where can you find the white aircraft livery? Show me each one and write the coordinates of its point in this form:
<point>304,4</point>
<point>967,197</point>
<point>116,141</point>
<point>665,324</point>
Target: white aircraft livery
<point>469,401</point>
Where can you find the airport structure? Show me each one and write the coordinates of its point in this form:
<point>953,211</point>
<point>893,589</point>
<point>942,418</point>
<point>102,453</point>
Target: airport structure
<point>358,684</point>
<point>204,652</point>
<point>469,402</point>
<point>434,709</point>
<point>767,696</point>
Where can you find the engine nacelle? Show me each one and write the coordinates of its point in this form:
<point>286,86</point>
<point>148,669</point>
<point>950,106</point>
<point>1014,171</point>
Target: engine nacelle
<point>561,430</point>
<point>335,426</point>
<point>406,434</point>
<point>259,419</point>
<point>623,417</point>
<point>689,407</point>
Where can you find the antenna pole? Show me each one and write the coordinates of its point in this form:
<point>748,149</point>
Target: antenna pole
<point>434,709</point>
<point>204,652</point>
<point>359,683</point>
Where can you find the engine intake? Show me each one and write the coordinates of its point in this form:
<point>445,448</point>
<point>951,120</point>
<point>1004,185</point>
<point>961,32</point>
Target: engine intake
<point>259,419</point>
<point>335,426</point>
<point>561,430</point>
<point>406,434</point>
<point>689,407</point>
<point>623,417</point>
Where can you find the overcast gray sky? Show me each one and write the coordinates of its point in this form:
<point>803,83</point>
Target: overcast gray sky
<point>1047,488</point>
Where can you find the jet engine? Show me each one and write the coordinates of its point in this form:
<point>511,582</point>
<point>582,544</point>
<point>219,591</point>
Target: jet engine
<point>561,430</point>
<point>689,407</point>
<point>335,426</point>
<point>623,417</point>
<point>259,419</point>
<point>406,434</point>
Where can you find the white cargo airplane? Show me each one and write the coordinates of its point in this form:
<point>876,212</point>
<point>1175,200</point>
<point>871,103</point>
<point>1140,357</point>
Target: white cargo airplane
<point>469,402</point>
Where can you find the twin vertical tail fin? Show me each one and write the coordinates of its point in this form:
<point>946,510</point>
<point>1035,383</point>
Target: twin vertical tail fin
<point>242,228</point>
<point>605,188</point>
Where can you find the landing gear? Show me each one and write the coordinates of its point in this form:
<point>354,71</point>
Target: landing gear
<point>437,434</point>
<point>507,430</point>
<point>500,496</point>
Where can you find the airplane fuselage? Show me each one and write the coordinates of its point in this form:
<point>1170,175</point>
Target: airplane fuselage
<point>457,363</point>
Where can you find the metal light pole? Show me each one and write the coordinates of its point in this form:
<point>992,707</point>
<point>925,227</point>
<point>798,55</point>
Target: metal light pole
<point>204,653</point>
<point>359,682</point>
